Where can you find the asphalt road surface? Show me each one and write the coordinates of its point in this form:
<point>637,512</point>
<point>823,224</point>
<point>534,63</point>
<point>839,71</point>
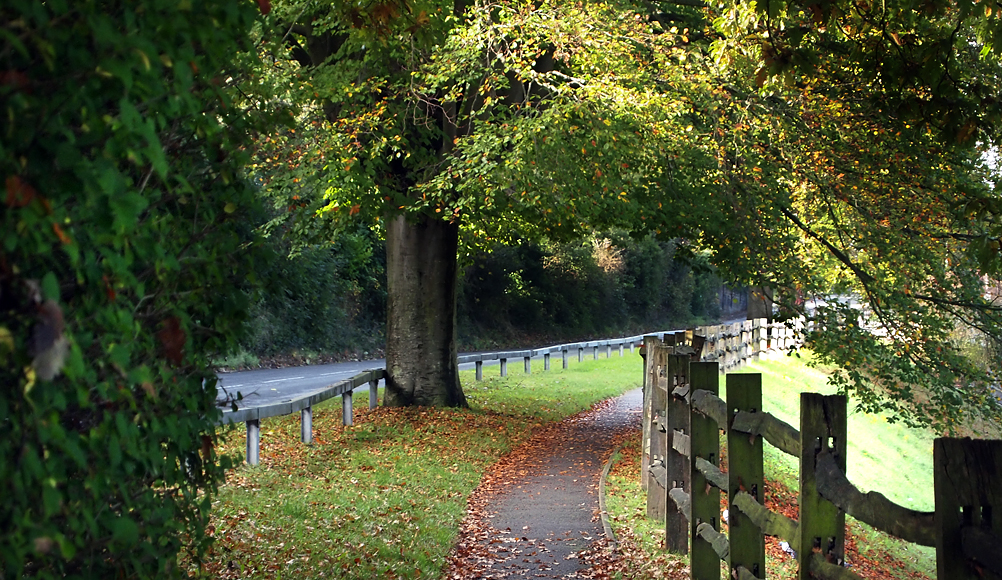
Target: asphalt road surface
<point>264,387</point>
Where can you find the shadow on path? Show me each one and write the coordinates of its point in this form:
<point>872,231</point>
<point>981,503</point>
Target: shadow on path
<point>537,509</point>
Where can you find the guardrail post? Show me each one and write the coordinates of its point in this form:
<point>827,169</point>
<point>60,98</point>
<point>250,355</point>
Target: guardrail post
<point>253,441</point>
<point>346,409</point>
<point>620,349</point>
<point>745,473</point>
<point>968,501</point>
<point>528,365</point>
<point>373,393</point>
<point>546,362</point>
<point>594,352</point>
<point>676,525</point>
<point>608,351</point>
<point>563,353</point>
<point>480,370</point>
<point>504,367</point>
<point>306,425</point>
<point>580,353</point>
<point>705,500</point>
<point>631,347</point>
<point>822,524</point>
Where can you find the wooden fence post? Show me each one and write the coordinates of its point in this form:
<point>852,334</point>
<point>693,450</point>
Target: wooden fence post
<point>822,524</point>
<point>744,473</point>
<point>657,491</point>
<point>705,499</point>
<point>968,480</point>
<point>306,425</point>
<point>645,437</point>
<point>677,440</point>
<point>253,441</point>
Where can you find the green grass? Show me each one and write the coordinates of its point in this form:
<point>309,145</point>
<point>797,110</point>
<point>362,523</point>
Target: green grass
<point>385,497</point>
<point>886,457</point>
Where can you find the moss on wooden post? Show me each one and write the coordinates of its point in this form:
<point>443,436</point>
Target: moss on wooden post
<point>745,473</point>
<point>822,524</point>
<point>705,497</point>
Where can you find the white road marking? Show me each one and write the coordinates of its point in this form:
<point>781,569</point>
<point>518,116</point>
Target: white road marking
<point>281,380</point>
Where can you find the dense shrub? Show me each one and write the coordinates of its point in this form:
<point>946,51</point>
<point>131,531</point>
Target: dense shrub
<point>126,258</point>
<point>324,298</point>
<point>587,288</point>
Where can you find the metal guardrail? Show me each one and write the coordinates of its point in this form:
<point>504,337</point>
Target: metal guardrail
<point>252,416</point>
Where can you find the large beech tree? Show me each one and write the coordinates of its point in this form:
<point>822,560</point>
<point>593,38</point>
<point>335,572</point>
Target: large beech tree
<point>469,119</point>
<point>800,147</point>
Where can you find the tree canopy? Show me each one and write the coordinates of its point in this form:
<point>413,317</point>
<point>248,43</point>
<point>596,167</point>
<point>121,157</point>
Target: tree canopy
<point>817,149</point>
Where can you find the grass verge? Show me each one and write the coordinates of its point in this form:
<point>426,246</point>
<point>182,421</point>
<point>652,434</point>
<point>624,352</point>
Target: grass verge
<point>384,498</point>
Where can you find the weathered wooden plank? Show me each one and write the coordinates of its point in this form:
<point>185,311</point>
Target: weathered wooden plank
<point>717,542</point>
<point>659,474</point>
<point>745,474</point>
<point>822,524</point>
<point>873,508</point>
<point>657,497</point>
<point>983,547</point>
<point>769,522</point>
<point>648,381</point>
<point>712,473</point>
<point>676,526</point>
<point>704,453</point>
<point>710,405</point>
<point>682,502</point>
<point>781,435</point>
<point>967,474</point>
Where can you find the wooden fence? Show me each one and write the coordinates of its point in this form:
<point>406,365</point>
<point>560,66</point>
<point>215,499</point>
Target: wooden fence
<point>685,478</point>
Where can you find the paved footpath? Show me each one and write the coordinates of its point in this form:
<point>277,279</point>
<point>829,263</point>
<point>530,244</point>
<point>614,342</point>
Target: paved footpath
<point>539,506</point>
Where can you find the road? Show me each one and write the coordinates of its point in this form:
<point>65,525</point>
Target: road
<point>264,387</point>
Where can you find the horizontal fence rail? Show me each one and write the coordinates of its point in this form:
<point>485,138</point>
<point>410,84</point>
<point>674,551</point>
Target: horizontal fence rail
<point>683,418</point>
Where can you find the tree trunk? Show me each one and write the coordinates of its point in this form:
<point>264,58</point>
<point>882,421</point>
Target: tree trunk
<point>421,270</point>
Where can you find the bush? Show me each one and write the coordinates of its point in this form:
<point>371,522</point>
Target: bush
<point>324,298</point>
<point>600,286</point>
<point>127,256</point>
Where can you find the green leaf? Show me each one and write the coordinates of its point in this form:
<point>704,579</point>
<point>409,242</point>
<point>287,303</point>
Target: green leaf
<point>50,286</point>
